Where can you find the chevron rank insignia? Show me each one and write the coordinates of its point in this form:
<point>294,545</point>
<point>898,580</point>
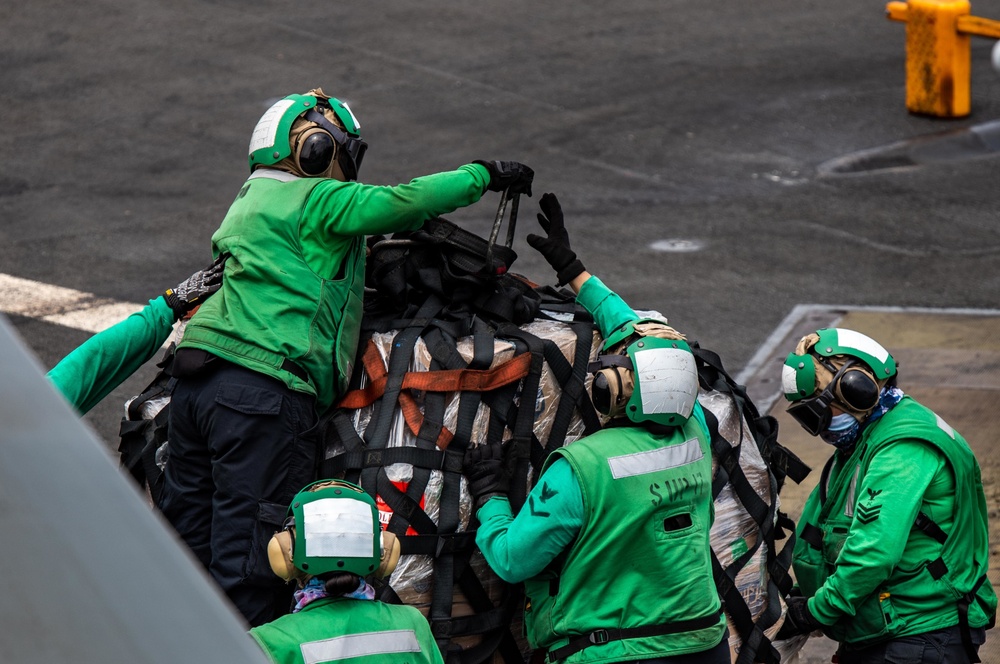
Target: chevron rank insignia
<point>868,513</point>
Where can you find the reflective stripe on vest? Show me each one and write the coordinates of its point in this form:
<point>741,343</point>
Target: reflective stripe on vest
<point>852,493</point>
<point>359,645</point>
<point>673,456</point>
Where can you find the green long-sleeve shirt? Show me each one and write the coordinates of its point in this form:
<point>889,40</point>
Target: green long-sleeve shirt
<point>100,364</point>
<point>520,548</point>
<point>908,476</point>
<point>870,573</point>
<point>293,286</point>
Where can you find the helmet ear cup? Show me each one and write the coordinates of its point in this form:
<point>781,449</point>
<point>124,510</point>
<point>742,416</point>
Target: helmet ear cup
<point>315,152</point>
<point>279,555</point>
<point>858,389</point>
<point>391,551</point>
<point>607,391</point>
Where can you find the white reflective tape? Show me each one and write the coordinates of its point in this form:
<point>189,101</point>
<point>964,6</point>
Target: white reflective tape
<point>641,463</point>
<point>862,343</point>
<point>668,380</point>
<point>359,645</point>
<point>852,492</point>
<point>944,426</point>
<point>357,125</point>
<point>265,133</point>
<point>788,383</point>
<point>339,528</point>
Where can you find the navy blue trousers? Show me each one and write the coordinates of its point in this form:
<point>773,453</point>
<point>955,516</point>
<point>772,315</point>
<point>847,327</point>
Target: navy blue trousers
<point>241,446</point>
<point>943,646</point>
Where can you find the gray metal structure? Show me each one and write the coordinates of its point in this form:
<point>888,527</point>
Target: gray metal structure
<point>91,573</point>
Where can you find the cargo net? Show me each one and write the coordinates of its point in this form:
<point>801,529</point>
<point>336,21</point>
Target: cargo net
<point>459,353</point>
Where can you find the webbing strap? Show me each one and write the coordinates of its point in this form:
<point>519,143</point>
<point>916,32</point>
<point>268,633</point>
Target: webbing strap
<point>755,645</point>
<point>963,620</point>
<point>930,527</point>
<point>572,382</point>
<point>454,380</point>
<point>352,441</point>
<point>602,636</point>
<point>522,431</point>
<point>362,459</point>
<point>435,545</point>
<point>501,639</point>
<point>403,505</point>
<point>377,432</point>
<point>729,471</point>
<point>812,536</point>
<point>787,464</point>
<point>779,566</point>
<point>415,493</point>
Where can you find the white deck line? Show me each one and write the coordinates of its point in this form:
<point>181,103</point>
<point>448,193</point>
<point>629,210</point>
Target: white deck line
<point>61,306</point>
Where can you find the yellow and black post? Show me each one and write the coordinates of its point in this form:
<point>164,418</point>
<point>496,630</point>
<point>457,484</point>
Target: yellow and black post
<point>938,53</point>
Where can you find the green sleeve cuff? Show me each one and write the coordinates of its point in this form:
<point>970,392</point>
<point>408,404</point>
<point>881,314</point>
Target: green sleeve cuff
<point>482,172</point>
<point>609,310</point>
<point>495,506</point>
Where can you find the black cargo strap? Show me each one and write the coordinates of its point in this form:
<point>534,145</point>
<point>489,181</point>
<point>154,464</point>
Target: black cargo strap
<point>447,565</point>
<point>362,457</point>
<point>779,568</point>
<point>601,636</point>
<point>523,425</point>
<point>784,462</point>
<point>433,459</point>
<point>756,646</point>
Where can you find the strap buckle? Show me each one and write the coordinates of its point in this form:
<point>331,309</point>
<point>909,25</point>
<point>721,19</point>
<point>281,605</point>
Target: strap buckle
<point>599,637</point>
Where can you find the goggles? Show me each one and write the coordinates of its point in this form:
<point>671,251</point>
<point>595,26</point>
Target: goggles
<point>814,413</point>
<point>353,148</point>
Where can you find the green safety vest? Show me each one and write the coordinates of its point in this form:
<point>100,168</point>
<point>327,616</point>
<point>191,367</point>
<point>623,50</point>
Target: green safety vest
<point>336,629</point>
<point>273,307</point>
<point>642,557</point>
<point>939,576</point>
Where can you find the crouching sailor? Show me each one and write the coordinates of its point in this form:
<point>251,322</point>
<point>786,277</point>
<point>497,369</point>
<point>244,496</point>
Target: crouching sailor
<point>331,545</point>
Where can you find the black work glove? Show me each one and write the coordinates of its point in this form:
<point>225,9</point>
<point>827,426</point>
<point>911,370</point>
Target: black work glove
<point>798,619</point>
<point>192,291</point>
<point>487,470</point>
<point>513,176</point>
<point>555,246</point>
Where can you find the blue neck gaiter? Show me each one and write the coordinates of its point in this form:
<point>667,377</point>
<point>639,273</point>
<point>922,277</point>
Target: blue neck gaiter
<point>844,430</point>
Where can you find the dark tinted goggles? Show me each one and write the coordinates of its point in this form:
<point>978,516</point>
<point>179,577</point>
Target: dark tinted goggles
<point>814,413</point>
<point>353,148</point>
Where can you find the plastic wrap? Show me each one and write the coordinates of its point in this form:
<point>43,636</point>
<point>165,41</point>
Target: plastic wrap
<point>413,578</point>
<point>734,531</point>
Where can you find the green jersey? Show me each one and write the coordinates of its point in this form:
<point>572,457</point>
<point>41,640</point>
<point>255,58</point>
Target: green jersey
<point>293,287</point>
<point>604,531</point>
<point>871,574</point>
<point>337,629</point>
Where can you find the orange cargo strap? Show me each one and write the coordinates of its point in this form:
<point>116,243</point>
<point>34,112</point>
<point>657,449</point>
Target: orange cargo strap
<point>452,380</point>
